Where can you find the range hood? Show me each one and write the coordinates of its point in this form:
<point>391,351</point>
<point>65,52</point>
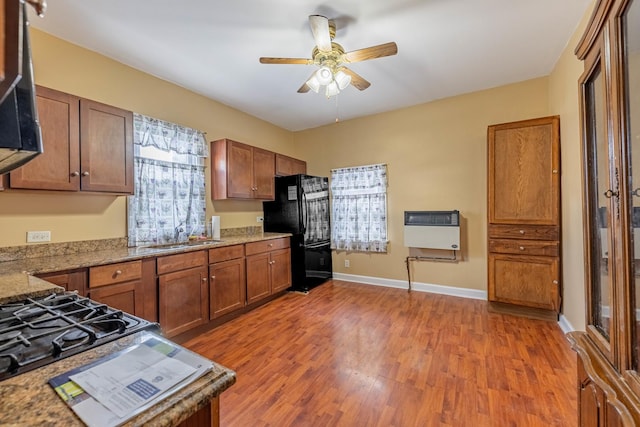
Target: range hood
<point>20,135</point>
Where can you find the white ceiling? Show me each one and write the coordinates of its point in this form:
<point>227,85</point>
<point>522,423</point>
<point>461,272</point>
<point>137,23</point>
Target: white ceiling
<point>445,47</point>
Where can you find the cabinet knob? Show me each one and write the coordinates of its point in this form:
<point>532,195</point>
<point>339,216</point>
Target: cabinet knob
<point>85,173</point>
<point>118,272</point>
<point>213,277</point>
<point>270,245</point>
<point>204,279</point>
<point>555,171</point>
<point>522,248</point>
<point>521,231</point>
<point>75,173</point>
<point>555,282</point>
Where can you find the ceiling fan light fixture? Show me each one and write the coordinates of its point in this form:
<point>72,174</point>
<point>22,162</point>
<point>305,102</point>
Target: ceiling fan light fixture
<point>342,79</point>
<point>332,89</point>
<point>313,84</point>
<point>324,75</point>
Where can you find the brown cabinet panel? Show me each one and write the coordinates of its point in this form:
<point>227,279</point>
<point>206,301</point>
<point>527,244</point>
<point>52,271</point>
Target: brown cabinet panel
<point>72,280</point>
<point>286,165</point>
<point>524,173</point>
<point>170,263</point>
<point>106,141</point>
<point>227,287</point>
<point>524,280</point>
<point>58,167</point>
<point>529,232</point>
<point>524,247</point>
<point>280,270</point>
<point>258,277</point>
<point>10,45</point>
<point>183,300</point>
<point>240,171</point>
<point>114,273</point>
<point>226,253</point>
<point>127,296</point>
<point>267,245</point>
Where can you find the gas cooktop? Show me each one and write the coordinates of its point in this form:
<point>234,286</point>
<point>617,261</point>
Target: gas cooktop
<point>39,331</point>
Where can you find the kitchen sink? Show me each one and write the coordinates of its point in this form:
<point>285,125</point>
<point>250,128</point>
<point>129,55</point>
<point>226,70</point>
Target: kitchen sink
<point>188,244</point>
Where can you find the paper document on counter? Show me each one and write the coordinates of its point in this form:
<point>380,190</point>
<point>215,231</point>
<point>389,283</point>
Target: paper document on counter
<point>111,391</point>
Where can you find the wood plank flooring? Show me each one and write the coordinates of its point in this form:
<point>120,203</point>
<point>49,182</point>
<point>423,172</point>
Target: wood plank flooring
<point>349,354</point>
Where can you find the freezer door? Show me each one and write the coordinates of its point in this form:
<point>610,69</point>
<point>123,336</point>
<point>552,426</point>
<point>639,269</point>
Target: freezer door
<point>284,213</point>
<point>311,264</point>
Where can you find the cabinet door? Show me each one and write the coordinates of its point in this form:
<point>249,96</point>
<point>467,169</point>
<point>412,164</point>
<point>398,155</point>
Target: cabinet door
<point>226,287</point>
<point>127,296</point>
<point>106,148</point>
<point>263,174</point>
<point>69,280</point>
<point>183,300</point>
<point>258,277</point>
<point>524,280</point>
<point>239,171</point>
<point>524,178</point>
<point>280,270</point>
<point>289,166</point>
<point>58,167</point>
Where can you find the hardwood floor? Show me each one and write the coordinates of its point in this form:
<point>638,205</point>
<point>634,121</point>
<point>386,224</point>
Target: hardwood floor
<point>348,354</point>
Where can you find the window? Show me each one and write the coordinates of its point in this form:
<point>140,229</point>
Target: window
<point>359,208</point>
<point>169,202</point>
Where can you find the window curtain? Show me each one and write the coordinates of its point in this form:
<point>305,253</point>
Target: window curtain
<point>169,201</point>
<point>359,208</point>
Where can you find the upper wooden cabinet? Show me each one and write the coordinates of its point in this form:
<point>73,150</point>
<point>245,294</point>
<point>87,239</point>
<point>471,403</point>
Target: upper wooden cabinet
<point>609,350</point>
<point>88,146</point>
<point>10,45</point>
<point>524,214</point>
<point>240,171</point>
<point>286,165</point>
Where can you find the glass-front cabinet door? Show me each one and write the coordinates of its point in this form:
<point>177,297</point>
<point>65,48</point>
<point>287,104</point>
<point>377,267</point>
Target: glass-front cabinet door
<point>630,37</point>
<point>600,195</point>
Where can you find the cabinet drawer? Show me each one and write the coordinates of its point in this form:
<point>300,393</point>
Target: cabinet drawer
<point>169,263</point>
<point>524,247</point>
<point>266,245</point>
<point>225,253</point>
<point>114,273</point>
<point>535,232</point>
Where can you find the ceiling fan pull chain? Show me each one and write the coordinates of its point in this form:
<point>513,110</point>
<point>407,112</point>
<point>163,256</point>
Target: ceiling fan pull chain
<point>337,119</point>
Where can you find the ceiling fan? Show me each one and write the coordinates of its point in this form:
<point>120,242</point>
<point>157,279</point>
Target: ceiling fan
<point>331,57</point>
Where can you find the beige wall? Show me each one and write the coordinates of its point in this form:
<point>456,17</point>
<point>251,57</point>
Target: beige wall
<point>70,216</point>
<point>436,158</point>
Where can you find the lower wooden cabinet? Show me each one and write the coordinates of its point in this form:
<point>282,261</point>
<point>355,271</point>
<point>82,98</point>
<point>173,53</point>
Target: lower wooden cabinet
<point>183,292</point>
<point>524,280</point>
<point>268,268</point>
<point>119,286</point>
<point>71,280</point>
<point>227,284</point>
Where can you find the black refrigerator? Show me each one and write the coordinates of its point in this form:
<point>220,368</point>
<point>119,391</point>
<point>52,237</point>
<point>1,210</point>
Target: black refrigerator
<point>301,207</point>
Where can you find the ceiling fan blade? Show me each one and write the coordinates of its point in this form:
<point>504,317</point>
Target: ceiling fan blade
<point>302,61</point>
<point>357,80</point>
<point>304,88</point>
<point>320,29</point>
<point>379,51</point>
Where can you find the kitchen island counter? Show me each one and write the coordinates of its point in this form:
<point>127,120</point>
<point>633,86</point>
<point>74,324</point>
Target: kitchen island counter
<point>28,399</point>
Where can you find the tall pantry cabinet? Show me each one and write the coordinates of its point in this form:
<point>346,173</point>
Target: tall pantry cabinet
<point>524,216</point>
<point>608,383</point>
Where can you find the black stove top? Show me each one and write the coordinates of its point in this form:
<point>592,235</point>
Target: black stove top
<point>39,331</point>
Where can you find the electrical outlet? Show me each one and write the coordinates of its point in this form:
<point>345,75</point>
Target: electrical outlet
<point>259,219</point>
<point>38,236</point>
<point>347,263</point>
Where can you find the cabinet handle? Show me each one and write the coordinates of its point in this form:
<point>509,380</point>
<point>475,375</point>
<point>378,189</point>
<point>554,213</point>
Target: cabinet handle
<point>75,173</point>
<point>85,173</point>
<point>521,231</point>
<point>39,5</point>
<point>522,248</point>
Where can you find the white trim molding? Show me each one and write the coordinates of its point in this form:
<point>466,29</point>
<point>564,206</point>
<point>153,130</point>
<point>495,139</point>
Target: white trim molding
<point>415,286</point>
<point>565,325</point>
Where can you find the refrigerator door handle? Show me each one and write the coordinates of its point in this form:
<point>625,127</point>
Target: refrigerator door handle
<point>305,214</point>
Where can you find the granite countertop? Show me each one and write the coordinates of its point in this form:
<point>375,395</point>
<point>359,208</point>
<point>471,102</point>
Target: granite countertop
<point>28,399</point>
<point>17,282</point>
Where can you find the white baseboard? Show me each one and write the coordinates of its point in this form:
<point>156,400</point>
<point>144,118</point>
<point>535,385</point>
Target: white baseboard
<point>415,286</point>
<point>564,324</point>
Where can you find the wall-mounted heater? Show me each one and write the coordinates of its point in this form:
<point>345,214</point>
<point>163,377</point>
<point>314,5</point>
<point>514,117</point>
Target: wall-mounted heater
<point>432,229</point>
